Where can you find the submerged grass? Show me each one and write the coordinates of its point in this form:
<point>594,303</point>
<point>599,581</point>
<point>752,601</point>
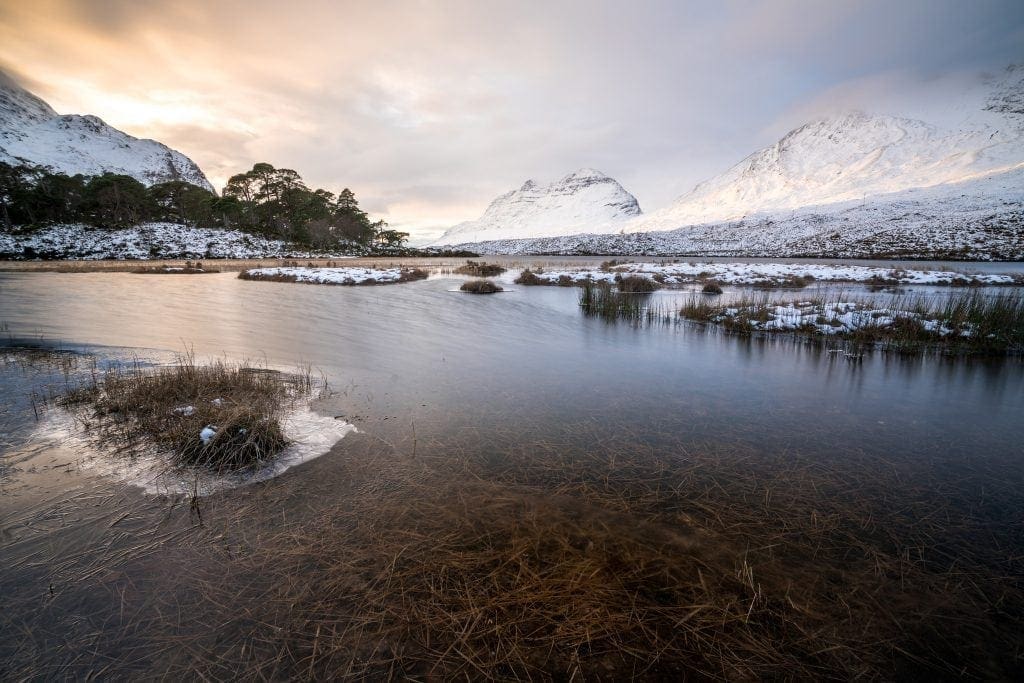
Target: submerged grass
<point>220,416</point>
<point>553,562</point>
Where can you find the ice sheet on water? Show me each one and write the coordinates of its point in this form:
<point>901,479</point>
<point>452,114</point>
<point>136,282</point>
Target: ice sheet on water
<point>311,435</point>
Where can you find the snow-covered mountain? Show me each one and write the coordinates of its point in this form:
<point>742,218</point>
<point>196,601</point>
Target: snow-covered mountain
<point>847,172</point>
<point>857,156</point>
<point>584,201</point>
<point>974,220</point>
<point>31,132</point>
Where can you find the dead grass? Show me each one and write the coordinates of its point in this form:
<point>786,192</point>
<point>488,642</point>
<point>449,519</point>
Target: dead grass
<point>712,287</point>
<point>480,287</point>
<point>788,282</point>
<point>632,284</point>
<point>480,269</point>
<point>130,408</point>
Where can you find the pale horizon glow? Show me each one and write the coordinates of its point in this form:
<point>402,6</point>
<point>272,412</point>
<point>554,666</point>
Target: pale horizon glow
<point>428,110</point>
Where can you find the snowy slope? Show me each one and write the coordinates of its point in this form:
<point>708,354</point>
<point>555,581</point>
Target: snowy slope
<point>582,201</point>
<point>858,156</point>
<point>981,219</point>
<point>31,132</point>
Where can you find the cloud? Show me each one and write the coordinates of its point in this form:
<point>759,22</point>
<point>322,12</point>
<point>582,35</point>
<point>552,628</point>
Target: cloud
<point>428,110</point>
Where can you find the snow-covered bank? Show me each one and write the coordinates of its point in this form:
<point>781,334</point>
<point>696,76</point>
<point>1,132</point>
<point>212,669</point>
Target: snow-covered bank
<point>335,276</point>
<point>775,273</point>
<point>146,241</point>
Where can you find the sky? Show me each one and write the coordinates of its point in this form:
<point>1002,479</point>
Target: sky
<point>428,110</point>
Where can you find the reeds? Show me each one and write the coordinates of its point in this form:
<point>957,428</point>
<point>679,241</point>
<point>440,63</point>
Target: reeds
<point>599,299</point>
<point>219,416</point>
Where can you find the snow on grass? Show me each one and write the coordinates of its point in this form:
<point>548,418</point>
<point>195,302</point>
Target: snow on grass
<point>335,276</point>
<point>826,318</point>
<point>774,273</point>
<point>968,322</point>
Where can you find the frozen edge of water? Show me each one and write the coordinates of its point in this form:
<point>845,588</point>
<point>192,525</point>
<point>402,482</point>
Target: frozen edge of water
<point>311,435</point>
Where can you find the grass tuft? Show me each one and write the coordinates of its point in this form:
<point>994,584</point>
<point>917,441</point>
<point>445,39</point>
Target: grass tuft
<point>480,287</point>
<point>634,284</point>
<point>220,416</point>
<point>529,278</point>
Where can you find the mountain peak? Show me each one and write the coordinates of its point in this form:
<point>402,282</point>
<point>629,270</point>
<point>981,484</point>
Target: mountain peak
<point>32,133</point>
<point>18,104</point>
<point>856,155</point>
<point>585,174</point>
<point>583,200</point>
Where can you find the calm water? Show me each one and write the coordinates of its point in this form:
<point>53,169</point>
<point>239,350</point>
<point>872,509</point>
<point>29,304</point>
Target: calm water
<point>461,373</point>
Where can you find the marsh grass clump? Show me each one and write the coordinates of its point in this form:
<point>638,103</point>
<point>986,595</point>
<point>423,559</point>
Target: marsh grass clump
<point>529,278</point>
<point>220,416</point>
<point>480,269</point>
<point>968,323</point>
<point>637,284</point>
<point>711,287</point>
<point>480,287</point>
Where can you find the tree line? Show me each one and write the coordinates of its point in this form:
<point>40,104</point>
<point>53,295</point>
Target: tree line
<point>271,202</point>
